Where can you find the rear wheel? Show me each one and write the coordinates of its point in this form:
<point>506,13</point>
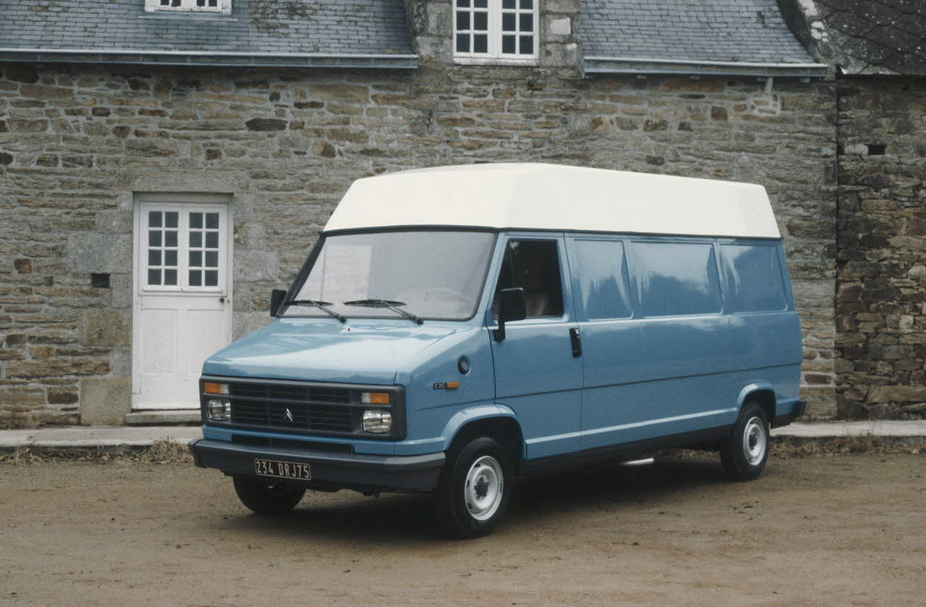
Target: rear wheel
<point>474,491</point>
<point>267,497</point>
<point>744,454</point>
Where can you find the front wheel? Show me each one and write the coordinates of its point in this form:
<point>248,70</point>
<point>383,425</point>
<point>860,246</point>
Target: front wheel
<point>744,454</point>
<point>267,497</point>
<point>474,491</point>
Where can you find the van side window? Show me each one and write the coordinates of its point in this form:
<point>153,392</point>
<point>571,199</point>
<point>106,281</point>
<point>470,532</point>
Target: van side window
<point>676,278</point>
<point>753,278</point>
<point>603,284</point>
<point>533,265</point>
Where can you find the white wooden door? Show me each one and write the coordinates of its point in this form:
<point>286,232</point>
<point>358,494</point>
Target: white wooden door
<point>183,309</point>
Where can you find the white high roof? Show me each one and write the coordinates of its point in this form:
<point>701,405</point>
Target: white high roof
<point>556,197</point>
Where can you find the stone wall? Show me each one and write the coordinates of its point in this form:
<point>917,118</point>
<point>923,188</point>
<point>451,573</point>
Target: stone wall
<point>77,143</point>
<point>881,298</point>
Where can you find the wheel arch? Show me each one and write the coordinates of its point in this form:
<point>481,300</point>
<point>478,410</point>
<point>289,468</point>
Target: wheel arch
<point>500,423</point>
<point>761,394</point>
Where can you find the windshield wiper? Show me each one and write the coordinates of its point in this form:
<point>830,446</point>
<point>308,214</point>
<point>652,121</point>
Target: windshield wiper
<point>321,305</point>
<point>385,303</point>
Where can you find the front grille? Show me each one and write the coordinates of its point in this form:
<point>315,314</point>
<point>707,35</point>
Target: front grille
<point>302,408</point>
<point>292,407</point>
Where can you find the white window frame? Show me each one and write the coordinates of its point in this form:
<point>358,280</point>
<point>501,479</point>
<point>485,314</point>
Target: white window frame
<point>495,56</point>
<point>183,248</point>
<point>189,6</point>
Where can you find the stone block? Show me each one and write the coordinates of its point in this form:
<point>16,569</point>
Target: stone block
<point>105,400</point>
<point>106,328</point>
<point>94,252</point>
<point>903,394</point>
<point>253,265</point>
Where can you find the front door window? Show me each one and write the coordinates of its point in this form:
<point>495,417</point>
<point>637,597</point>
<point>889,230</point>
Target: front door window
<point>533,265</point>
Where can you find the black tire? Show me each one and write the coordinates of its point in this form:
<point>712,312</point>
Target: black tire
<point>267,497</point>
<point>744,454</point>
<point>475,489</point>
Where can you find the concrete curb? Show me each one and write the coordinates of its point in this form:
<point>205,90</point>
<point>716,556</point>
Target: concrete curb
<point>137,438</point>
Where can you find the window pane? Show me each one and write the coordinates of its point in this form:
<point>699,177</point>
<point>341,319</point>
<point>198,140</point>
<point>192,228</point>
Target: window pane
<point>212,221</point>
<point>481,3</point>
<point>154,238</point>
<point>170,277</point>
<point>196,220</point>
<point>154,277</point>
<point>175,3</point>
<point>533,265</point>
<point>462,43</point>
<point>527,22</point>
<point>480,43</point>
<point>196,259</point>
<point>508,44</point>
<point>172,218</point>
<point>676,278</point>
<point>212,259</point>
<point>753,278</point>
<point>603,281</point>
<point>196,239</point>
<point>481,21</point>
<point>154,219</point>
<point>463,20</point>
<point>212,278</point>
<point>154,257</point>
<point>508,4</point>
<point>527,3</point>
<point>527,45</point>
<point>170,258</point>
<point>508,22</point>
<point>200,2</point>
<point>463,3</point>
<point>170,238</point>
<point>196,278</point>
<point>165,2</point>
<point>212,240</point>
<point>213,3</point>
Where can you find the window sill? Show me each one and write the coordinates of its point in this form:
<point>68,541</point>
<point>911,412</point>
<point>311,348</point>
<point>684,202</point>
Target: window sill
<point>505,62</point>
<point>190,16</point>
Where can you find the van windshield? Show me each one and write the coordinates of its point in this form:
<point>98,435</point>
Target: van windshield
<point>437,275</point>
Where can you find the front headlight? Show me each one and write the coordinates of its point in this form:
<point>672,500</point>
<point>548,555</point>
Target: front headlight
<point>218,409</point>
<point>377,421</point>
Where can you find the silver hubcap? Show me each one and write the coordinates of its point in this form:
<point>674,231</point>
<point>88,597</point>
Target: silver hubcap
<point>484,487</point>
<point>755,441</point>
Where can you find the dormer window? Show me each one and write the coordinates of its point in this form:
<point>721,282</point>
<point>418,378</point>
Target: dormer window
<point>501,31</point>
<point>210,6</point>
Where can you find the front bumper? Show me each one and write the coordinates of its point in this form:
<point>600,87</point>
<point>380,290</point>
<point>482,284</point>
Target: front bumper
<point>371,473</point>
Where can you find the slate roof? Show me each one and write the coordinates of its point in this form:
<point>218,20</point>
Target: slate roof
<point>275,32</point>
<point>863,36</point>
<point>691,36</point>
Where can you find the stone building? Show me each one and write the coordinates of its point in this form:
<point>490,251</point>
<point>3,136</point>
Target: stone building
<point>164,164</point>
<point>878,52</point>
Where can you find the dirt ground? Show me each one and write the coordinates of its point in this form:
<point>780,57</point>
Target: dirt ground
<point>826,530</point>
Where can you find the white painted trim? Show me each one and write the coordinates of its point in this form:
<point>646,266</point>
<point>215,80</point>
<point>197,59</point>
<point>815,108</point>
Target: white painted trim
<point>556,197</point>
<point>189,6</point>
<point>495,56</point>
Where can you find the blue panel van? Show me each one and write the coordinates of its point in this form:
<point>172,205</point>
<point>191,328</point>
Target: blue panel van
<point>457,327</point>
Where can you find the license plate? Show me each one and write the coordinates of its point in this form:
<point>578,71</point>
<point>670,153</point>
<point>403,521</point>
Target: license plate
<point>278,469</point>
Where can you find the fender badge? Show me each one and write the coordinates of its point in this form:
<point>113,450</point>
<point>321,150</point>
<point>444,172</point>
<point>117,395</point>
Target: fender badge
<point>449,385</point>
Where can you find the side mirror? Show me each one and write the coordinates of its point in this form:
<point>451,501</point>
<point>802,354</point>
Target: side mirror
<point>510,307</point>
<point>276,301</point>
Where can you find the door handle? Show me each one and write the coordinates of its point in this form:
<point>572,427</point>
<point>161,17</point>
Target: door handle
<point>576,342</point>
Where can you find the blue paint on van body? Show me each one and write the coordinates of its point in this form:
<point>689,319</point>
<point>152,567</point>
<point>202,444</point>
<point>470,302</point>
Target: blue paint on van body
<point>675,334</point>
